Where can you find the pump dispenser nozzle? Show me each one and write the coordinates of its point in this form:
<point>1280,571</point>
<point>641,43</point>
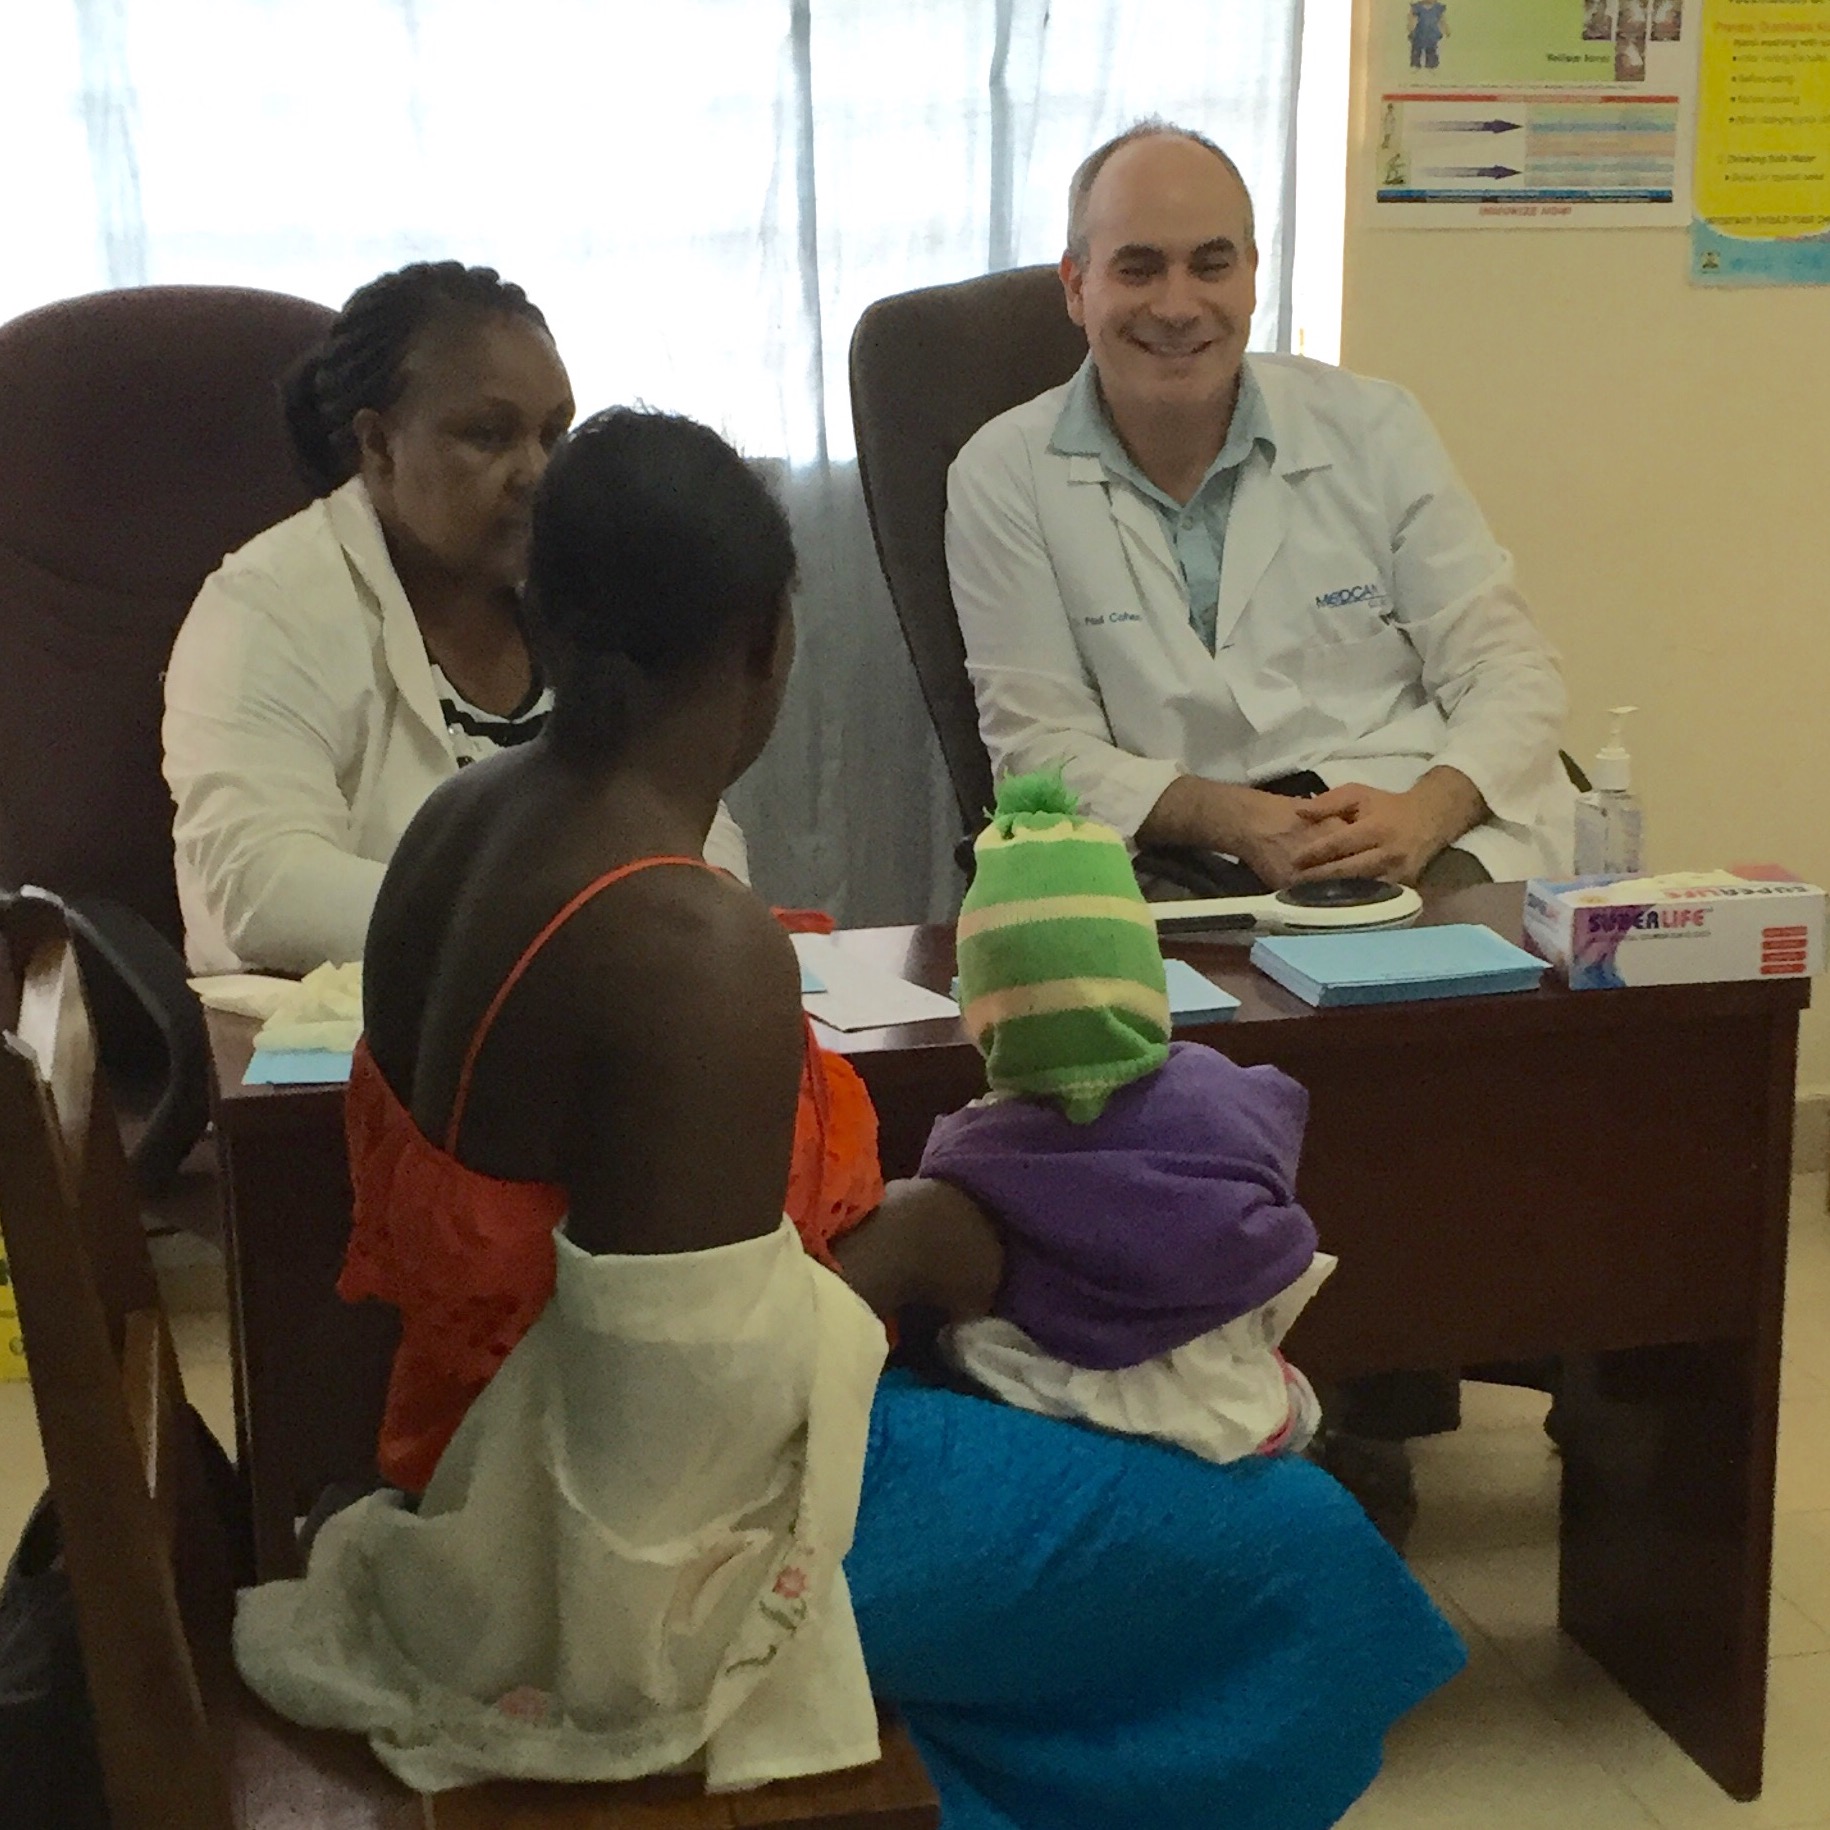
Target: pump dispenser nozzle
<point>1613,766</point>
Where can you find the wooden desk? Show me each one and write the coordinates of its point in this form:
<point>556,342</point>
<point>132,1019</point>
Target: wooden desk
<point>1604,1175</point>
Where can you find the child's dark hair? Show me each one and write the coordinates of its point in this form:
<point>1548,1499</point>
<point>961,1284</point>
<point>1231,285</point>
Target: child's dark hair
<point>362,360</point>
<point>653,542</point>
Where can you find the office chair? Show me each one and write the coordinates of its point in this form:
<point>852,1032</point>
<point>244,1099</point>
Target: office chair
<point>928,369</point>
<point>140,441</point>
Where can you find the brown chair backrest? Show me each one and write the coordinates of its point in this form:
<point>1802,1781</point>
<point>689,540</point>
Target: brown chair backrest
<point>148,1549</point>
<point>928,369</point>
<point>140,440</point>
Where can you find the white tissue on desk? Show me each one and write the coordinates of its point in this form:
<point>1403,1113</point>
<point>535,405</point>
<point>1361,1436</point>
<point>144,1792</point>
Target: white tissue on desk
<point>241,994</point>
<point>323,1010</point>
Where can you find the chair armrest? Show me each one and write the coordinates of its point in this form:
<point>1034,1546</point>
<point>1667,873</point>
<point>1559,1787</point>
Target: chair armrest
<point>1201,873</point>
<point>110,937</point>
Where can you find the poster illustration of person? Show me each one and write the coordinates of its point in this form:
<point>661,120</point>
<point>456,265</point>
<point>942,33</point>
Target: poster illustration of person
<point>1428,28</point>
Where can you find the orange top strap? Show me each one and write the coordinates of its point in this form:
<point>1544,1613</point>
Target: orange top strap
<point>527,959</point>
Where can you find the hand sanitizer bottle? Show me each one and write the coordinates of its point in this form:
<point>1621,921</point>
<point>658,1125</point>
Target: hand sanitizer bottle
<point>1608,822</point>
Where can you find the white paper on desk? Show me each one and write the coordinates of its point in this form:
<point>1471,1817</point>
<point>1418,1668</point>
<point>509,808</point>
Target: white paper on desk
<point>859,995</point>
<point>242,994</point>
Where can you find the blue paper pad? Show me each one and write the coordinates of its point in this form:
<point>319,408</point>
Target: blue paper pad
<point>810,980</point>
<point>1194,998</point>
<point>1459,960</point>
<point>297,1067</point>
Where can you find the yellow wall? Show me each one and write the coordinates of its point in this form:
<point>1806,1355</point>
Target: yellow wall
<point>1658,459</point>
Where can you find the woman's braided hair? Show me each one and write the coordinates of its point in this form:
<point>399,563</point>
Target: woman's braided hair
<point>362,360</point>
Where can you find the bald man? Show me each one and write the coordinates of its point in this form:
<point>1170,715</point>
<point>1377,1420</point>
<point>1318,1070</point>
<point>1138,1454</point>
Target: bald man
<point>1208,583</point>
<point>1248,606</point>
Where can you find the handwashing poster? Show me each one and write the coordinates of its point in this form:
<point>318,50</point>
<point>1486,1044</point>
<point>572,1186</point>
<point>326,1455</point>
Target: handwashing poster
<point>1763,146</point>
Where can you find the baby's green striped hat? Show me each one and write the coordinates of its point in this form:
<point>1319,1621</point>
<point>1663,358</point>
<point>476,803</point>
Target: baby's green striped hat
<point>1060,973</point>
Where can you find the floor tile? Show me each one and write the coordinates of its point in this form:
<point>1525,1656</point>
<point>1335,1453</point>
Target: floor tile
<point>1485,1669</point>
<point>1487,1755</point>
<point>1805,1352</point>
<point>1799,1376</point>
<point>1485,1490</point>
<point>1804,1454</point>
<point>1487,1407</point>
<point>1801,1563</point>
<point>1611,1731</point>
<point>21,1463</point>
<point>1791,1632</point>
<point>193,1277</point>
<point>202,1340</point>
<point>1510,1595</point>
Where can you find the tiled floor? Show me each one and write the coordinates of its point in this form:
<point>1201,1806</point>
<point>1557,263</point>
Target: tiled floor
<point>1531,1736</point>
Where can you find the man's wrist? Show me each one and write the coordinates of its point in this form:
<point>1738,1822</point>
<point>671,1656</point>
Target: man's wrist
<point>1451,804</point>
<point>1193,811</point>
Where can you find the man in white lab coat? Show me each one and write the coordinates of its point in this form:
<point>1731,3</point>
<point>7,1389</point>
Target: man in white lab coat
<point>1208,584</point>
<point>1190,576</point>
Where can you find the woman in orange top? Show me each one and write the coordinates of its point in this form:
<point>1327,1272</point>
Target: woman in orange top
<point>572,1020</point>
<point>565,1020</point>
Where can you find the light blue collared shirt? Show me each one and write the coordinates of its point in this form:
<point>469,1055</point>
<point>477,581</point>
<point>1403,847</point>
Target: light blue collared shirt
<point>1196,531</point>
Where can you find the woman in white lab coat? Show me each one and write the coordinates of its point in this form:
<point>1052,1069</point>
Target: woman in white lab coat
<point>341,665</point>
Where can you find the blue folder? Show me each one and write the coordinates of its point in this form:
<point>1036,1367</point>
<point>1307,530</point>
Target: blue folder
<point>297,1067</point>
<point>1194,998</point>
<point>1398,965</point>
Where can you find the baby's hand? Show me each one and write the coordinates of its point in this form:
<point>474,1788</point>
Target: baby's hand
<point>927,1243</point>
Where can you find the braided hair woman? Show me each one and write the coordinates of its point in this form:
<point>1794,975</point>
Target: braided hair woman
<point>340,666</point>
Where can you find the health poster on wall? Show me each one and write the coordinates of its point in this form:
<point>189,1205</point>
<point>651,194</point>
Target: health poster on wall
<point>1763,146</point>
<point>1533,113</point>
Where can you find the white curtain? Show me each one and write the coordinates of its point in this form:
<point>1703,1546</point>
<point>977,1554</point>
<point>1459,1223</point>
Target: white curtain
<point>702,195</point>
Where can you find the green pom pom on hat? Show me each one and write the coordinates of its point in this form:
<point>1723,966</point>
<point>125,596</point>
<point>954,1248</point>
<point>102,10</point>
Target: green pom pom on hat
<point>1060,971</point>
<point>1042,793</point>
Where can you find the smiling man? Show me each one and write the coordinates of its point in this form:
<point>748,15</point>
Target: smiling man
<point>1208,584</point>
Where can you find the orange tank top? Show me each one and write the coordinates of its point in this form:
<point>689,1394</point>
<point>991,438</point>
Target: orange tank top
<point>468,1258</point>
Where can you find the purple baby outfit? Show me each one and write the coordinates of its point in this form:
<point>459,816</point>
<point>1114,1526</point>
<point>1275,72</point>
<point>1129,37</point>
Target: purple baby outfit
<point>1169,1215</point>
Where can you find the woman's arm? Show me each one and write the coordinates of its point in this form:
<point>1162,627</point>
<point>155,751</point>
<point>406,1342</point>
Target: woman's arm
<point>928,1243</point>
<point>252,733</point>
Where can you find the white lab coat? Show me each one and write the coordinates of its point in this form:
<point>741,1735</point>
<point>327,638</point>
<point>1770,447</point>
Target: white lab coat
<point>1369,626</point>
<point>302,733</point>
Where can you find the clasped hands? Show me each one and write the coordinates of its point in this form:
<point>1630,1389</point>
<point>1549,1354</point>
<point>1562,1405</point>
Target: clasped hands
<point>1354,830</point>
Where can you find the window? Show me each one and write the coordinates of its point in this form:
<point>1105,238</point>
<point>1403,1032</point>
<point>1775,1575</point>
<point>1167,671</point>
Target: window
<point>702,196</point>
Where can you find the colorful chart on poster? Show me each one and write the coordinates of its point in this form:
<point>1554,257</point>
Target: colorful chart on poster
<point>1496,113</point>
<point>1763,146</point>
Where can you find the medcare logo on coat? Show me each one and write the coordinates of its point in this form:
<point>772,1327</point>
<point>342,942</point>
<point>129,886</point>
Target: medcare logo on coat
<point>1370,593</point>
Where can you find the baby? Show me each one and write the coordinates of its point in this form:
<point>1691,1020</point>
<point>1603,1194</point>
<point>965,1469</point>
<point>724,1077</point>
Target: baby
<point>1155,1253</point>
